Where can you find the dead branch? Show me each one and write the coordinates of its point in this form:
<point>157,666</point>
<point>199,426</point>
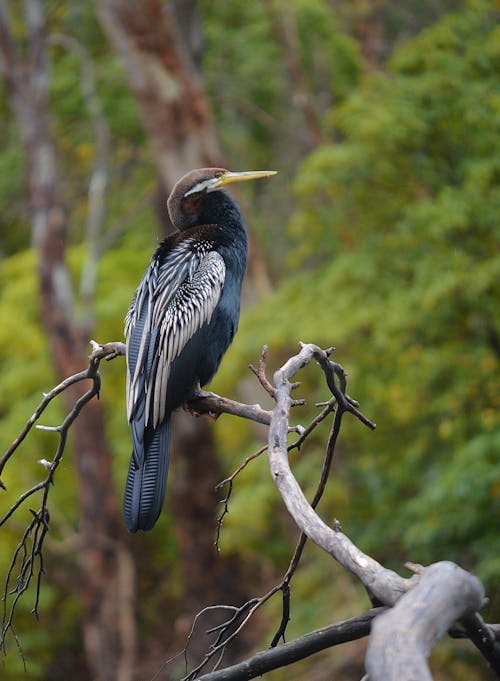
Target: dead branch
<point>443,592</point>
<point>385,584</point>
<point>403,637</point>
<point>214,405</point>
<point>228,630</point>
<point>229,482</point>
<point>409,597</point>
<point>341,403</point>
<point>484,637</point>
<point>260,372</point>
<point>28,556</point>
<point>309,644</point>
<point>294,563</point>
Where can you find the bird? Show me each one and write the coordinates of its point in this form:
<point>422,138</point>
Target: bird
<point>181,321</point>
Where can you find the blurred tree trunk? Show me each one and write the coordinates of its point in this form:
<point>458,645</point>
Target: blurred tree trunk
<point>105,581</point>
<point>209,578</point>
<point>161,74</point>
<point>283,23</point>
<point>155,41</point>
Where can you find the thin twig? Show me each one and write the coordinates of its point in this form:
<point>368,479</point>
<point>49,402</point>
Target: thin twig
<point>339,402</point>
<point>229,482</point>
<point>260,372</point>
<point>28,556</point>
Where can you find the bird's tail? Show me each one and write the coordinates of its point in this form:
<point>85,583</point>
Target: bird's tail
<point>146,482</point>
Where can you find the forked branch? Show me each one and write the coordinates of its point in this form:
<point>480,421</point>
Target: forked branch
<point>403,598</point>
<point>27,561</point>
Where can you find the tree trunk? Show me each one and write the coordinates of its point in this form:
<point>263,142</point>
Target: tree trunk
<point>174,109</point>
<point>155,45</point>
<point>175,112</point>
<point>105,582</point>
<point>209,578</point>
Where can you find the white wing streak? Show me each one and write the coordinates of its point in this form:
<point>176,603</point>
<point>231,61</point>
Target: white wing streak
<point>180,297</point>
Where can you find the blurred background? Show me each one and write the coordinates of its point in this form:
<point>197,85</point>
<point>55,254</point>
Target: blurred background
<point>379,235</point>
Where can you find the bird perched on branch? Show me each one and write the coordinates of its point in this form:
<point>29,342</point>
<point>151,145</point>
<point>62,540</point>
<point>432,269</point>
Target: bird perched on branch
<point>179,325</point>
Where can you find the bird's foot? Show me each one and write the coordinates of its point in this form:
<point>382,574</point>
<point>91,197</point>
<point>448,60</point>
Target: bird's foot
<point>199,394</point>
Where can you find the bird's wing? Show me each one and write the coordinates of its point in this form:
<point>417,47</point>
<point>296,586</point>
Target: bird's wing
<point>174,300</point>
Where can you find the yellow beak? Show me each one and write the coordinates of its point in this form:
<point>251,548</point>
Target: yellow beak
<point>229,177</point>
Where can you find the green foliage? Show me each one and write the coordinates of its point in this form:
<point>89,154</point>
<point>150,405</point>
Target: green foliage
<point>254,90</point>
<point>394,259</point>
<point>397,263</point>
<point>26,370</point>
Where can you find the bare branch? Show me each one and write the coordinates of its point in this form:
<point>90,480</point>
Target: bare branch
<point>47,399</point>
<point>403,637</point>
<point>229,482</point>
<point>385,584</point>
<point>28,556</point>
<point>484,638</point>
<point>260,372</point>
<point>327,463</point>
<point>214,405</point>
<point>230,629</point>
<point>300,648</point>
<point>342,403</point>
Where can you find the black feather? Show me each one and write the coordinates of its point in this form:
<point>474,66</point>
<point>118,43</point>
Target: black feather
<point>146,482</point>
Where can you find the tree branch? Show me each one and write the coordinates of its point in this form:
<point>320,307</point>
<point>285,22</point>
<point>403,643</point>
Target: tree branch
<point>485,638</point>
<point>214,405</point>
<point>29,559</point>
<point>274,658</point>
<point>424,606</point>
<point>385,584</point>
<point>460,593</point>
<point>403,637</point>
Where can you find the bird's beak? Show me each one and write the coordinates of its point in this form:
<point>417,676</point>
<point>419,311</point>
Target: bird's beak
<point>229,177</point>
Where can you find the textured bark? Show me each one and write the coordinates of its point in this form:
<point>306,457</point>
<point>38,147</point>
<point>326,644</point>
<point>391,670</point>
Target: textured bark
<point>174,109</point>
<point>105,582</point>
<point>403,637</point>
<point>154,43</point>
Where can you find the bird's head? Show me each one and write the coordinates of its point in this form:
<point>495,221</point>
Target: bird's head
<point>187,198</point>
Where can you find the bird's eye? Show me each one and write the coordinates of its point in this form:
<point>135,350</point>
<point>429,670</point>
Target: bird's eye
<point>191,204</point>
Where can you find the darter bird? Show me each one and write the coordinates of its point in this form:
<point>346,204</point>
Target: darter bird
<point>180,323</point>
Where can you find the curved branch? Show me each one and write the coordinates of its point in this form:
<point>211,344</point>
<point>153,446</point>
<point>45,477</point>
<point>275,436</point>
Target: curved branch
<point>484,637</point>
<point>28,556</point>
<point>425,606</point>
<point>385,584</point>
<point>403,637</point>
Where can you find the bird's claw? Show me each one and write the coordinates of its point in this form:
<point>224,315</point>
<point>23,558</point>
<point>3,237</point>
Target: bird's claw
<point>199,394</point>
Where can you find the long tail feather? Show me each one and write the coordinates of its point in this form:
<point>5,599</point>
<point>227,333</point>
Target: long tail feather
<point>146,482</point>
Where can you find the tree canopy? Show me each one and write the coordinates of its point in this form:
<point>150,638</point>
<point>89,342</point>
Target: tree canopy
<point>381,238</point>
